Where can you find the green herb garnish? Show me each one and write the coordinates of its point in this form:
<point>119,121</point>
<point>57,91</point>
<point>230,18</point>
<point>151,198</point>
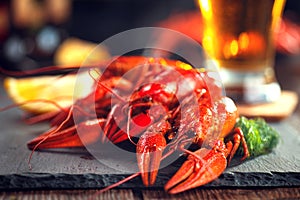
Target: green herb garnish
<point>261,138</point>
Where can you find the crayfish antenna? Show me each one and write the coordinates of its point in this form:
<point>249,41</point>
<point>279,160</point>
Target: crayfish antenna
<point>115,185</point>
<point>104,86</point>
<point>15,105</point>
<point>49,134</point>
<point>61,137</point>
<point>40,117</point>
<point>35,71</point>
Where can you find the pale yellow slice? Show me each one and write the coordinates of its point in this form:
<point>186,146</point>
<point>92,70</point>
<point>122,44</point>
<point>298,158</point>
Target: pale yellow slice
<point>62,90</point>
<point>76,52</point>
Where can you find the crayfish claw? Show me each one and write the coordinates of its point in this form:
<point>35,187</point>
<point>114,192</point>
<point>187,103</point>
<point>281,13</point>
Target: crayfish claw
<point>183,173</point>
<point>150,148</point>
<point>197,171</point>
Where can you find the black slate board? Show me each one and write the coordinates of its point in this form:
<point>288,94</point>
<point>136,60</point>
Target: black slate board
<point>75,168</point>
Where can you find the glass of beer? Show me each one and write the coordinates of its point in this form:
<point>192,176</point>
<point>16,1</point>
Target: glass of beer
<point>238,38</point>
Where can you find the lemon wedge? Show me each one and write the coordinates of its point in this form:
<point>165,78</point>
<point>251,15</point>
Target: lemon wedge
<point>35,94</point>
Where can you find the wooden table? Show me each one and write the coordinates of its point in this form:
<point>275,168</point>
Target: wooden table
<point>288,71</point>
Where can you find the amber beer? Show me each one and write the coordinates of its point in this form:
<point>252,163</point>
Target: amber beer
<point>238,36</point>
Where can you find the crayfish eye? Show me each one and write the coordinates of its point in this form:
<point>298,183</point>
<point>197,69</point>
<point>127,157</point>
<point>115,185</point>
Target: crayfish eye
<point>144,99</point>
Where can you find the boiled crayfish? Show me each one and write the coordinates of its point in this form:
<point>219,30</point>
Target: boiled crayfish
<point>165,106</point>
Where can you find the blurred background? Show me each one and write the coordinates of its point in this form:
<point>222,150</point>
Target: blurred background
<point>37,33</point>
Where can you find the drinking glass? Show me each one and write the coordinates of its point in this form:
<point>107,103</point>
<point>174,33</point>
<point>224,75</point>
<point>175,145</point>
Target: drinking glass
<point>238,38</point>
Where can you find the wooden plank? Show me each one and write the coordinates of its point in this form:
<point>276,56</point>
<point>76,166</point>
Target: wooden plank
<point>69,194</point>
<point>122,194</point>
<point>215,194</point>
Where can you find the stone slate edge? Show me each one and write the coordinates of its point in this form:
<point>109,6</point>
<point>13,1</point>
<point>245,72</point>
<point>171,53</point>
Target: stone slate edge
<point>29,181</point>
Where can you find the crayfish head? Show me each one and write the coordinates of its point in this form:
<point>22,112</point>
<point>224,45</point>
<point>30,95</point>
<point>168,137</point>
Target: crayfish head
<point>153,93</point>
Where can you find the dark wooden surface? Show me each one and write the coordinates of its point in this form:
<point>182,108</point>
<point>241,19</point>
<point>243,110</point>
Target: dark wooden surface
<point>288,71</point>
<point>124,194</point>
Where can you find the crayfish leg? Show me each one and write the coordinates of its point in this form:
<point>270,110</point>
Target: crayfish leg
<point>238,138</point>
